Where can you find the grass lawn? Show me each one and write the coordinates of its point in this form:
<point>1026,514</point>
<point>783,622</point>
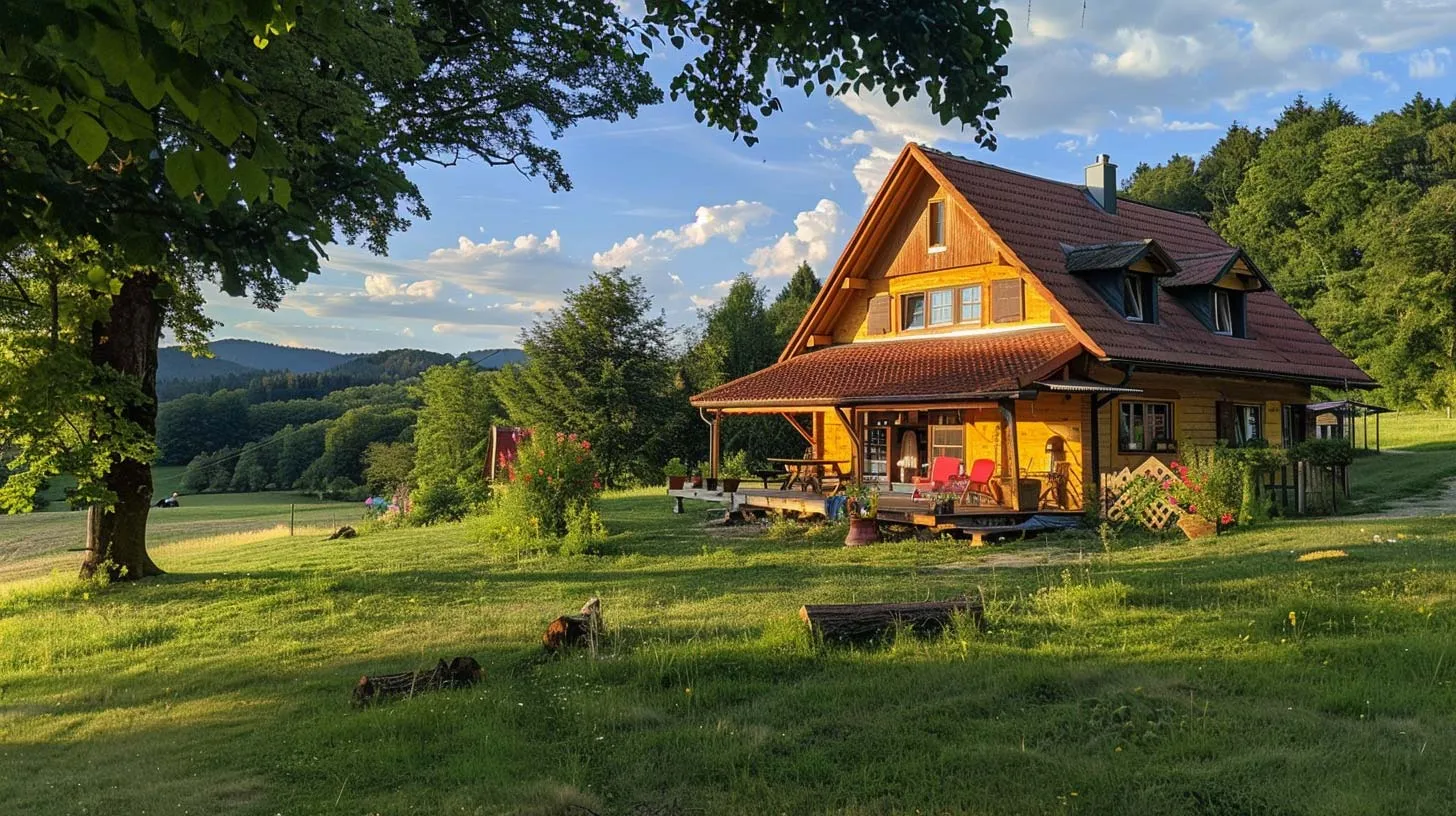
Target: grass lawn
<point>1222,678</point>
<point>53,533</point>
<point>1418,462</point>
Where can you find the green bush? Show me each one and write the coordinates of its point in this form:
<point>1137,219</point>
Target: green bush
<point>1323,452</point>
<point>586,533</point>
<point>438,503</point>
<point>554,473</point>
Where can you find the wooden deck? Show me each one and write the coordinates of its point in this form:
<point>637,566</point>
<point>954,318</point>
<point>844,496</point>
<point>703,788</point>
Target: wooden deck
<point>895,508</point>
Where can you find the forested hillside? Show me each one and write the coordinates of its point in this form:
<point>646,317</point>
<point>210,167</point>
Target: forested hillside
<point>1353,221</point>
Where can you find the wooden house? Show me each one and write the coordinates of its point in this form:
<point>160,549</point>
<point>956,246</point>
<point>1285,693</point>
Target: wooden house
<point>981,313</point>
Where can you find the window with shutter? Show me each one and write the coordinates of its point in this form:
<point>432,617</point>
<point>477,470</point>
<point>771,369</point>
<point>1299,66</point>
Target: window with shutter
<point>1006,301</point>
<point>878,319</point>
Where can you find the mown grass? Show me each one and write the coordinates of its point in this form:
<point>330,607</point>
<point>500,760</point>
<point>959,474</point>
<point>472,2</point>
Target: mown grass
<point>1418,462</point>
<point>22,537</point>
<point>1160,678</point>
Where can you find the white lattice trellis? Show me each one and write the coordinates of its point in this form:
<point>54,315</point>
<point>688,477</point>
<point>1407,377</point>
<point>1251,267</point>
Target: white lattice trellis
<point>1158,515</point>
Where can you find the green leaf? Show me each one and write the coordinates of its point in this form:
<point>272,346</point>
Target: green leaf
<point>181,173</point>
<point>282,192</point>
<point>252,180</point>
<point>142,81</point>
<point>87,137</point>
<point>110,49</point>
<point>217,177</point>
<point>215,114</point>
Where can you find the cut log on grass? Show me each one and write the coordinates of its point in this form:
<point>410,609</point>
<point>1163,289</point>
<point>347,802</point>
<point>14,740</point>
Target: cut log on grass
<point>343,532</point>
<point>583,629</point>
<point>856,622</point>
<point>462,672</point>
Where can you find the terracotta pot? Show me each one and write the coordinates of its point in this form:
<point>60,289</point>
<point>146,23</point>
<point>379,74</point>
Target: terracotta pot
<point>862,531</point>
<point>1196,526</point>
<point>676,482</point>
<point>697,482</point>
<point>730,484</point>
<point>712,484</point>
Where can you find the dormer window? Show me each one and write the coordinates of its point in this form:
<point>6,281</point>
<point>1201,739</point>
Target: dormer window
<point>1228,313</point>
<point>936,223</point>
<point>1137,298</point>
<point>1223,315</point>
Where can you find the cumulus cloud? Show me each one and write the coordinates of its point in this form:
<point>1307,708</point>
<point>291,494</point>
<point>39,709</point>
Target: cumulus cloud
<point>815,233</point>
<point>1429,63</point>
<point>728,221</point>
<point>1075,74</point>
<point>386,287</point>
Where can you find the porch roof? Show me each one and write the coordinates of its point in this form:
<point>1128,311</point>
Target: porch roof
<point>932,369</point>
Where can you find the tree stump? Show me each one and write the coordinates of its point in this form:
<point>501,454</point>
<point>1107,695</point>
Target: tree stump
<point>582,629</point>
<point>857,622</point>
<point>343,532</point>
<point>462,672</point>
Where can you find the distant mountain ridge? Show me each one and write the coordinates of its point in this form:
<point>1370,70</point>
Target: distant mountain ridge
<point>240,358</point>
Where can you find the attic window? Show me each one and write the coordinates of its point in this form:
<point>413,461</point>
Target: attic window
<point>1223,315</point>
<point>936,220</point>
<point>1137,298</point>
<point>1228,313</point>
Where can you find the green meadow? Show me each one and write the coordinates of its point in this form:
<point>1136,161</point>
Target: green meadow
<point>1303,667</point>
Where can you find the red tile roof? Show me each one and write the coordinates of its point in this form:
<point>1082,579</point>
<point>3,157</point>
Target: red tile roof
<point>1035,217</point>
<point>920,369</point>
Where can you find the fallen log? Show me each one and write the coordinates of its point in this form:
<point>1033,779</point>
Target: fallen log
<point>856,622</point>
<point>462,672</point>
<point>582,629</point>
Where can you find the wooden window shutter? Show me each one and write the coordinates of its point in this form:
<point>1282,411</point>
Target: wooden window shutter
<point>1006,301</point>
<point>1224,421</point>
<point>877,321</point>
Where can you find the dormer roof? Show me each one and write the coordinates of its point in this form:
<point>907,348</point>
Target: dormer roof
<point>1119,255</point>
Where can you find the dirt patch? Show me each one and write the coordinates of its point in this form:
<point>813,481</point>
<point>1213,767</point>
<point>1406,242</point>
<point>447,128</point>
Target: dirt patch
<point>1018,559</point>
<point>1441,504</point>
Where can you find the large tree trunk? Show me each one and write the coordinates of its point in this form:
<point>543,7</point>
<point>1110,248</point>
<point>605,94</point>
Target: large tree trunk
<point>116,538</point>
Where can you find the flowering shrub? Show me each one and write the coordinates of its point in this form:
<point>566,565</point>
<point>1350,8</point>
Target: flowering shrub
<point>1207,484</point>
<point>554,473</point>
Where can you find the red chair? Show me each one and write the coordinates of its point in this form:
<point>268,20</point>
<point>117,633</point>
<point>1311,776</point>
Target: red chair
<point>976,484</point>
<point>942,468</point>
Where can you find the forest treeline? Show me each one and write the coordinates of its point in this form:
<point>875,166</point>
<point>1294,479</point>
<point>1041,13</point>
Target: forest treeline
<point>1353,221</point>
<point>606,365</point>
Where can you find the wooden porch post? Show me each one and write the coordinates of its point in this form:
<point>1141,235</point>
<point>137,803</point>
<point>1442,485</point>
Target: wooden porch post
<point>715,442</point>
<point>1094,478</point>
<point>1012,467</point>
<point>850,418</point>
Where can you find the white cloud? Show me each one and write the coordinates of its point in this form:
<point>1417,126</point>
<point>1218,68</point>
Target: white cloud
<point>728,221</point>
<point>1429,63</point>
<point>1076,72</point>
<point>702,302</point>
<point>814,233</point>
<point>384,287</point>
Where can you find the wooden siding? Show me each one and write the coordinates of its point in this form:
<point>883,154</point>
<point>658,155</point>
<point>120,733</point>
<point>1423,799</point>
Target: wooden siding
<point>1194,400</point>
<point>906,248</point>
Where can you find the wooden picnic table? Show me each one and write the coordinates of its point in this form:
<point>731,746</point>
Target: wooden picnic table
<point>808,473</point>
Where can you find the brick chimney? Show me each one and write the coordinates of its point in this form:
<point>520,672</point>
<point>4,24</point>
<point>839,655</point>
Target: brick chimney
<point>1102,183</point>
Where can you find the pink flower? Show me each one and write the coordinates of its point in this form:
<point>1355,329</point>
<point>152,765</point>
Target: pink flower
<point>585,445</point>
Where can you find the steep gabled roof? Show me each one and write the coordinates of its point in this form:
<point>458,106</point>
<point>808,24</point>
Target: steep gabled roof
<point>1034,217</point>
<point>923,369</point>
<point>1207,268</point>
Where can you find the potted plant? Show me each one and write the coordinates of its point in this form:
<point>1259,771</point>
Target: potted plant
<point>943,504</point>
<point>676,473</point>
<point>697,477</point>
<point>863,507</point>
<point>735,470</point>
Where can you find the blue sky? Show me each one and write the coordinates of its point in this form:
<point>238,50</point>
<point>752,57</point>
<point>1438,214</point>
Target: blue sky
<point>687,209</point>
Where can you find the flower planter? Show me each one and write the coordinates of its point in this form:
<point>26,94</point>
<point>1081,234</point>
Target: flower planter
<point>697,482</point>
<point>712,484</point>
<point>862,531</point>
<point>676,482</point>
<point>1196,526</point>
<point>943,508</point>
<point>730,484</point>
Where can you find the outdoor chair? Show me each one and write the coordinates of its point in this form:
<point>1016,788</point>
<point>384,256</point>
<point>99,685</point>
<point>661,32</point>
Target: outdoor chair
<point>942,468</point>
<point>979,481</point>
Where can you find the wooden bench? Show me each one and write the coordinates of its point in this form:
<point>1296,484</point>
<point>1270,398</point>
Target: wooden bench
<point>853,622</point>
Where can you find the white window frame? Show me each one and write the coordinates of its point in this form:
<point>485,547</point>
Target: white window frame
<point>962,302</point>
<point>1132,297</point>
<point>1223,313</point>
<point>949,307</point>
<point>1241,429</point>
<point>947,447</point>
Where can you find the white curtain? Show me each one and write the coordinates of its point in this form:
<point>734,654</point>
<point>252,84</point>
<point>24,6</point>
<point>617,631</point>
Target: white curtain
<point>909,461</point>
